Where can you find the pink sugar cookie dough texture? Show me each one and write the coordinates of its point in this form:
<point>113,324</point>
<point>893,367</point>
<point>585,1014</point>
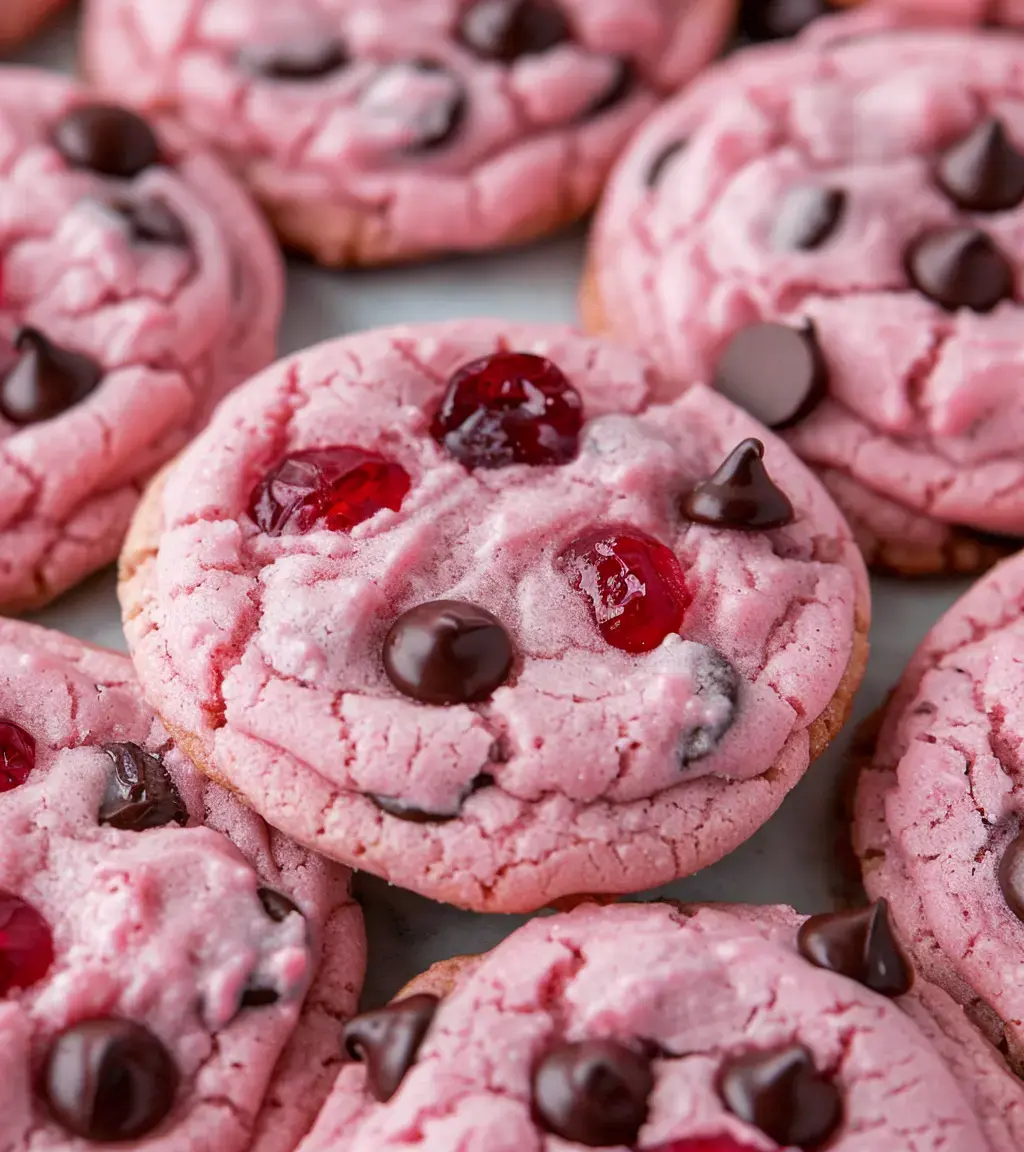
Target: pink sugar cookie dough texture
<point>383,130</point>
<point>583,768</point>
<point>19,18</point>
<point>139,285</point>
<point>174,922</point>
<point>849,185</point>
<point>939,809</point>
<point>696,989</point>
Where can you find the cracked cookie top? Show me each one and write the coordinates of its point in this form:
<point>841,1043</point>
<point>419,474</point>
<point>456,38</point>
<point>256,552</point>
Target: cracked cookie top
<point>460,605</point>
<point>940,811</point>
<point>138,286</point>
<point>347,116</point>
<point>171,969</point>
<point>667,1029</point>
<point>855,198</point>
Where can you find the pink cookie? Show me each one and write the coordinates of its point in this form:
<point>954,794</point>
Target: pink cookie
<point>19,18</point>
<point>442,610</point>
<point>939,811</point>
<point>830,232</point>
<point>668,1029</point>
<point>138,286</point>
<point>382,130</point>
<point>171,970</point>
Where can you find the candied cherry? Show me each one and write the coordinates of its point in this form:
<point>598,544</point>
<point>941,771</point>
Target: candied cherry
<point>334,488</point>
<point>17,755</point>
<point>26,946</point>
<point>634,584</point>
<point>509,408</point>
<point>702,1144</point>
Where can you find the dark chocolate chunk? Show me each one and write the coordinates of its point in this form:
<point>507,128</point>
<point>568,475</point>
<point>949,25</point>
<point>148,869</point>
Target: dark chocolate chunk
<point>258,996</point>
<point>774,371</point>
<point>277,905</point>
<point>106,139</point>
<point>153,222</point>
<point>440,125</point>
<point>140,794</point>
<point>387,1041</point>
<point>1011,876</point>
<point>46,380</point>
<point>983,172</point>
<point>306,58</point>
<point>861,945</point>
<point>506,30</point>
<point>740,494</point>
<point>402,810</point>
<point>959,267</point>
<point>109,1080</point>
<point>660,164</point>
<point>808,217</point>
<point>716,678</point>
<point>762,20</point>
<point>447,652</point>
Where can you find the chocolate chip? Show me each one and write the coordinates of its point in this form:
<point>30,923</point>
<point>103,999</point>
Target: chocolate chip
<point>109,1079</point>
<point>779,19</point>
<point>774,371</point>
<point>594,1092</point>
<point>303,58</point>
<point>983,172</point>
<point>447,652</point>
<point>808,217</point>
<point>717,683</point>
<point>782,1093</point>
<point>659,165</point>
<point>152,222</point>
<point>959,267</point>
<point>140,794</point>
<point>740,494</point>
<point>277,905</point>
<point>440,124</point>
<point>621,86</point>
<point>1011,876</point>
<point>258,996</point>
<point>861,945</point>
<point>402,810</point>
<point>106,139</point>
<point>46,380</point>
<point>505,30</point>
<point>387,1041</point>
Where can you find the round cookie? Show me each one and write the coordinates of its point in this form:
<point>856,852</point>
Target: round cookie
<point>834,246</point>
<point>348,117</point>
<point>939,811</point>
<point>138,286</point>
<point>172,971</point>
<point>457,605</point>
<point>670,1029</point>
<point>20,18</point>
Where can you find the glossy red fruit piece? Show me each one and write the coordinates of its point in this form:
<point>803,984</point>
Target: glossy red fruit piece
<point>634,584</point>
<point>509,408</point>
<point>26,946</point>
<point>17,755</point>
<point>334,488</point>
<point>702,1144</point>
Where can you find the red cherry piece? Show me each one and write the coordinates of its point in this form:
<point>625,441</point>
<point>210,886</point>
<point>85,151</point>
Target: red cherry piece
<point>702,1144</point>
<point>17,755</point>
<point>334,488</point>
<point>509,408</point>
<point>634,584</point>
<point>26,946</point>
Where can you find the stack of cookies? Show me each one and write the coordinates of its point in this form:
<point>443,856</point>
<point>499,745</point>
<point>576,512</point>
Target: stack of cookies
<point>519,617</point>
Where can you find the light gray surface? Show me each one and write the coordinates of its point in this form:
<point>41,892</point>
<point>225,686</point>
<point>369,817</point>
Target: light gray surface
<point>793,857</point>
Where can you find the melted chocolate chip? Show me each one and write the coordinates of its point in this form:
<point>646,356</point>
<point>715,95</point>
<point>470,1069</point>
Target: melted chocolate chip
<point>959,267</point>
<point>660,164</point>
<point>46,381</point>
<point>277,905</point>
<point>808,217</point>
<point>140,794</point>
<point>305,58</point>
<point>1011,876</point>
<point>387,1041</point>
<point>258,996</point>
<point>109,1080</point>
<point>441,124</point>
<point>779,19</point>
<point>619,89</point>
<point>594,1092</point>
<point>152,222</point>
<point>782,1094</point>
<point>505,30</point>
<point>774,371</point>
<point>740,494</point>
<point>861,945</point>
<point>717,682</point>
<point>447,652</point>
<point>983,172</point>
<point>106,139</point>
